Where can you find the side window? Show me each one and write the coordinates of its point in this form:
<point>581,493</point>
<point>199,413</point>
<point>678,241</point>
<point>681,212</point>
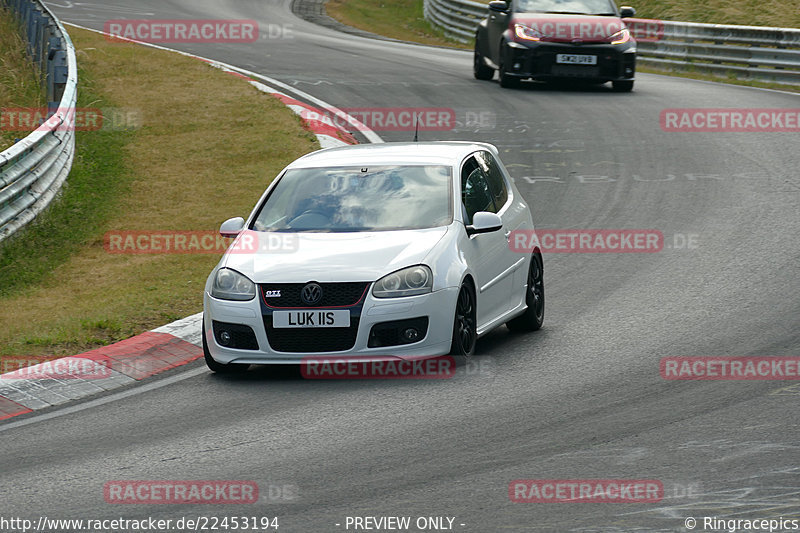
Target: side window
<point>497,182</point>
<point>475,193</point>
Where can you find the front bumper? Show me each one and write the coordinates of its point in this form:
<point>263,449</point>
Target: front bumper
<point>538,61</point>
<point>438,307</point>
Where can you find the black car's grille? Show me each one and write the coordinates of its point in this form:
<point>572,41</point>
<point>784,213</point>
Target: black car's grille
<point>333,295</point>
<point>311,340</point>
<point>608,63</point>
<point>575,71</point>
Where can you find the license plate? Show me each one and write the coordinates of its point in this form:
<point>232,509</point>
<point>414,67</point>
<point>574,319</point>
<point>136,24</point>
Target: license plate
<point>319,318</point>
<point>575,59</point>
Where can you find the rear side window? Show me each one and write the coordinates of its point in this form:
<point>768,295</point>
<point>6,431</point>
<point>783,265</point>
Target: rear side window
<point>475,192</point>
<point>494,175</point>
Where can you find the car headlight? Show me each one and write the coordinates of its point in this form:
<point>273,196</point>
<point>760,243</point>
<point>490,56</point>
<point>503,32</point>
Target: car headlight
<point>410,281</point>
<point>622,36</point>
<point>526,32</point>
<point>230,285</point>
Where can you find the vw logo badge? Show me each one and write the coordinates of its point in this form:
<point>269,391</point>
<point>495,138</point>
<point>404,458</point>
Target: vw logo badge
<point>311,294</point>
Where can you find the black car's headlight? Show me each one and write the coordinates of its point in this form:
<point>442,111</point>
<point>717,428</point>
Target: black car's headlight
<point>526,33</point>
<point>410,281</point>
<point>621,37</point>
<point>230,285</point>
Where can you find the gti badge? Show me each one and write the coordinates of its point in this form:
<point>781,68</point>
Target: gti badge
<point>272,294</point>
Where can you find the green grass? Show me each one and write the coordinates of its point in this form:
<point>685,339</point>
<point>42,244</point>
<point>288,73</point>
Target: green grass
<point>197,158</point>
<point>87,201</point>
<point>20,81</point>
<point>780,13</point>
<point>398,19</point>
<point>694,75</point>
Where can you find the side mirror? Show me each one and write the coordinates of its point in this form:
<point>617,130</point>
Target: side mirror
<point>498,5</point>
<point>626,12</point>
<point>232,228</point>
<point>484,222</point>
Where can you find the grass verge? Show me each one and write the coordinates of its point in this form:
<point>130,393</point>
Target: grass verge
<point>731,80</point>
<point>207,146</point>
<point>397,19</point>
<point>777,13</point>
<point>20,80</point>
<point>780,13</point>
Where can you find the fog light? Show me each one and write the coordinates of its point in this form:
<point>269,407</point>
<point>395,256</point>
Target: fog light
<point>517,66</point>
<point>411,334</point>
<point>225,338</point>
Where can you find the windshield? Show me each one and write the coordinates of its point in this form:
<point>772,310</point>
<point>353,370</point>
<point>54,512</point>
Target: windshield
<point>577,7</point>
<point>358,199</point>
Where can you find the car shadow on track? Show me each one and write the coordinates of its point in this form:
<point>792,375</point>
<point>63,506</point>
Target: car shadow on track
<point>493,352</point>
<point>565,87</point>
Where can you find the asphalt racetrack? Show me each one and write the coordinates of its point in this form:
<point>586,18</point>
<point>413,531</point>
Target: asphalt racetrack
<point>581,399</point>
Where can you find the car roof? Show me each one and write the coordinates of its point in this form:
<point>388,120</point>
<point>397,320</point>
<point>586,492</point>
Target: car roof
<point>449,153</point>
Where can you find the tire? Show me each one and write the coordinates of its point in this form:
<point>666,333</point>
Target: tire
<point>480,69</point>
<point>624,86</point>
<point>533,317</point>
<point>464,323</point>
<point>220,368</point>
<point>506,81</point>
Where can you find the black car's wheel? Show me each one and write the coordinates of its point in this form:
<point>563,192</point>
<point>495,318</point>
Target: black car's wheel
<point>220,368</point>
<point>624,86</point>
<point>507,81</point>
<point>533,317</point>
<point>465,323</point>
<point>481,70</point>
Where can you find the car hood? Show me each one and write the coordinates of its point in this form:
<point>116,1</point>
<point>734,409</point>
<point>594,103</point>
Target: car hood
<point>328,257</point>
<point>570,28</point>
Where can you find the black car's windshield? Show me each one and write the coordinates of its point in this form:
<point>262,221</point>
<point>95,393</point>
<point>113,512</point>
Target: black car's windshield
<point>577,7</point>
<point>358,199</point>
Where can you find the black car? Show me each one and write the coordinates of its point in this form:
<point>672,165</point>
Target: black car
<point>556,39</point>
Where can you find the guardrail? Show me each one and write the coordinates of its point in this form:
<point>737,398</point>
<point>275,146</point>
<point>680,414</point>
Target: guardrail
<point>745,52</point>
<point>33,171</point>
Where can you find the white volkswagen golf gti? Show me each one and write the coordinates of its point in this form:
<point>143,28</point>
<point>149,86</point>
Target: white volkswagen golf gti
<point>392,250</point>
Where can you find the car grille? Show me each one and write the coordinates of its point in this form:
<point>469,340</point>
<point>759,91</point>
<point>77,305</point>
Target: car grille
<point>575,71</point>
<point>333,295</point>
<point>311,340</point>
<point>608,63</point>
